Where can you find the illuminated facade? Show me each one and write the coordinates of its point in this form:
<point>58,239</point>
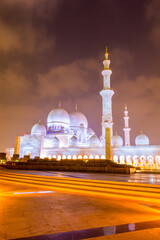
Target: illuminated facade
<point>68,136</point>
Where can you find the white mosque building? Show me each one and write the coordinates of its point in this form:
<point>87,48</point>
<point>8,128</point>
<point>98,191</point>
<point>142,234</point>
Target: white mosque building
<point>68,135</point>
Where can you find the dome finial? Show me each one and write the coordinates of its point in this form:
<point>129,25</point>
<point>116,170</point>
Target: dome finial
<point>116,133</point>
<point>76,107</point>
<point>40,121</point>
<point>59,104</point>
<point>141,132</point>
<point>125,106</point>
<point>106,53</point>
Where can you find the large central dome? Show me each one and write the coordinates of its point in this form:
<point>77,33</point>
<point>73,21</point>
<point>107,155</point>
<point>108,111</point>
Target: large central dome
<point>58,117</point>
<point>77,119</point>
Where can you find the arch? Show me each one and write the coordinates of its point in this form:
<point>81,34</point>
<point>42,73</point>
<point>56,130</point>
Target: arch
<point>59,157</point>
<point>69,157</point>
<point>85,157</point>
<point>135,157</point>
<point>79,156</point>
<point>28,153</point>
<point>64,157</point>
<point>150,159</point>
<point>122,159</point>
<point>115,158</point>
<point>103,157</point>
<point>157,159</point>
<point>143,160</point>
<point>74,157</point>
<point>90,156</point>
<point>54,156</point>
<point>129,160</point>
<point>135,160</point>
<point>97,157</point>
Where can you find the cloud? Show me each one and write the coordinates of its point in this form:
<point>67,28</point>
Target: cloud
<point>23,103</point>
<point>9,40</point>
<point>28,3</point>
<point>69,80</point>
<point>153,17</point>
<point>141,94</point>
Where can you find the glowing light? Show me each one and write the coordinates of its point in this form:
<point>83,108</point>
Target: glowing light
<point>28,153</point>
<point>135,158</point>
<point>64,157</point>
<point>69,157</point>
<point>122,159</point>
<point>79,156</point>
<point>49,156</point>
<point>102,157</point>
<point>143,160</point>
<point>115,158</point>
<point>129,160</point>
<point>74,157</point>
<point>54,156</point>
<point>157,159</point>
<point>91,157</point>
<point>96,157</point>
<point>59,157</point>
<point>85,157</point>
<point>150,160</point>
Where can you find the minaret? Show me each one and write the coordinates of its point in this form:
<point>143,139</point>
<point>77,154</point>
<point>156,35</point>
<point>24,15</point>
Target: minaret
<point>126,128</point>
<point>106,94</point>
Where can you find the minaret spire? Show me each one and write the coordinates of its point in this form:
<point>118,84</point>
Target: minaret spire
<point>126,128</point>
<point>106,94</point>
<point>106,53</point>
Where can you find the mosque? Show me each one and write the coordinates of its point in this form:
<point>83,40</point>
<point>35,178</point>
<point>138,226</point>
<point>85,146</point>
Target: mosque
<point>68,135</point>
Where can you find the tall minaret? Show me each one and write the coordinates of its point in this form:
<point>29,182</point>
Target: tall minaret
<point>126,128</point>
<point>106,94</point>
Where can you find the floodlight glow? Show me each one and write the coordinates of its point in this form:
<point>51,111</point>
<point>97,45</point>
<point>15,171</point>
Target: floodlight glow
<point>15,193</point>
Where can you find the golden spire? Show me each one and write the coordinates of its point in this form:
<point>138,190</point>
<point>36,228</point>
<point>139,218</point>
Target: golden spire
<point>59,104</point>
<point>125,106</point>
<point>76,107</point>
<point>106,53</point>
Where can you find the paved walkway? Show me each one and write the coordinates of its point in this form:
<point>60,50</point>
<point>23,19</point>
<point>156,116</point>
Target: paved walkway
<point>47,213</point>
<point>29,211</point>
<point>134,178</point>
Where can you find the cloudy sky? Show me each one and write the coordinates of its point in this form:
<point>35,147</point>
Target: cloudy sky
<point>52,50</point>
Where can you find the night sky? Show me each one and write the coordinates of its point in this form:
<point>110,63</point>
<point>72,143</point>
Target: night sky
<point>52,50</point>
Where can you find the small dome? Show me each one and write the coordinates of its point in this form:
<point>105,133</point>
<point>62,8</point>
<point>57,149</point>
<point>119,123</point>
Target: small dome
<point>55,142</point>
<point>73,141</point>
<point>117,141</point>
<point>77,119</point>
<point>58,116</point>
<point>141,140</point>
<point>94,141</point>
<point>38,129</point>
